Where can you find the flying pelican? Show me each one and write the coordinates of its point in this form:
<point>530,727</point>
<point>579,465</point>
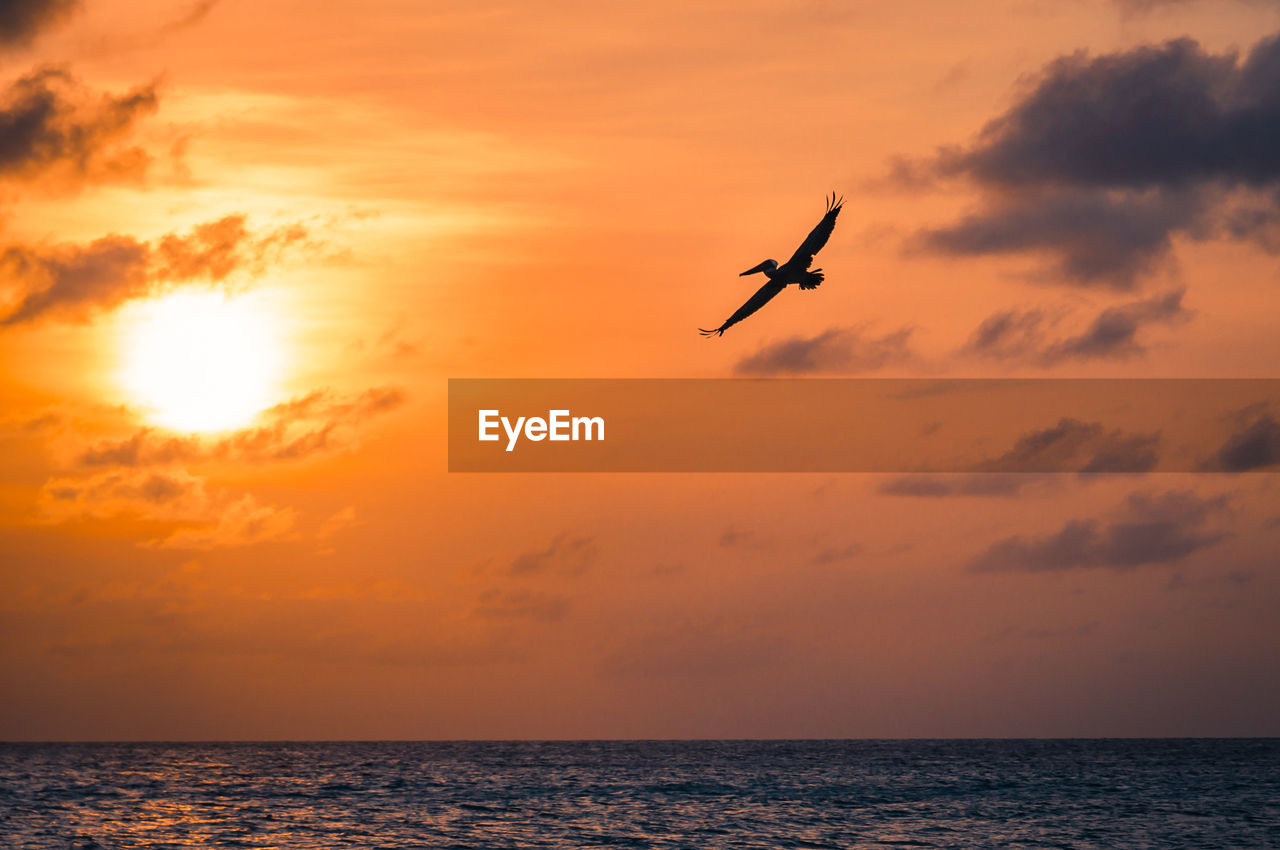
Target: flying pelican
<point>794,270</point>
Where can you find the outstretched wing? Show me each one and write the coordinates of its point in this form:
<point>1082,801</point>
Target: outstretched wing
<point>762,297</point>
<point>818,237</point>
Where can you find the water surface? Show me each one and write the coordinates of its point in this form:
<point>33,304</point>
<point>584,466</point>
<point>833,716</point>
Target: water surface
<point>741,794</point>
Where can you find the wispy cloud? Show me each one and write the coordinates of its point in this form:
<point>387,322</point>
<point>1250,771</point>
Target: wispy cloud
<point>968,484</point>
<point>319,422</point>
<point>565,554</point>
<point>78,281</point>
<point>1149,529</point>
<point>244,522</point>
<point>1073,445</point>
<point>848,351</point>
<point>150,494</point>
<point>1116,333</point>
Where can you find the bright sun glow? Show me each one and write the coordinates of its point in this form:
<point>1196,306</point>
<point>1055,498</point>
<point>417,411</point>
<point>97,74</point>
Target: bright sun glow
<point>202,361</point>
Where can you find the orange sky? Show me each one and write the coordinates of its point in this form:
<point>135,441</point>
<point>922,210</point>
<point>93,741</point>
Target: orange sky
<point>407,192</point>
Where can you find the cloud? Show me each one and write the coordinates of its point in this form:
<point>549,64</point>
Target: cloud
<point>744,538</point>
<point>969,484</point>
<point>78,281</point>
<point>1142,7</point>
<point>40,422</point>
<point>72,280</point>
<point>22,20</point>
<point>241,523</point>
<point>835,350</point>
<point>1114,334</point>
<point>1150,529</point>
<point>1096,237</point>
<point>319,422</point>
<point>1105,159</point>
<point>1010,334</point>
<point>566,555</point>
<point>1256,445</point>
<point>216,249</point>
<point>168,495</point>
<point>55,129</point>
<point>1069,446</point>
<point>163,494</point>
<point>1075,446</point>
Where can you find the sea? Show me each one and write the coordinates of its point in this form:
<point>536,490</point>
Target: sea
<point>1164,793</point>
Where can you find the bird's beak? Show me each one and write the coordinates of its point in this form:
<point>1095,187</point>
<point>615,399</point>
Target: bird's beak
<point>758,268</point>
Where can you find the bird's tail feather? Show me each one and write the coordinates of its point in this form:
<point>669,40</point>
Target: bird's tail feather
<point>706,332</point>
<point>812,279</point>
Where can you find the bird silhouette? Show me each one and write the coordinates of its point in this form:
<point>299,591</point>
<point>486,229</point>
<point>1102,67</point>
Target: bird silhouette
<point>794,270</point>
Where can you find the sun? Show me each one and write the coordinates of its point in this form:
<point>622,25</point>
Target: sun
<point>202,361</point>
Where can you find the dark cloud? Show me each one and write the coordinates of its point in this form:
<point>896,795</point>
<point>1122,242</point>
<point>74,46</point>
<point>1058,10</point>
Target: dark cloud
<point>1069,446</point>
<point>735,537</point>
<point>1010,334</point>
<point>566,554</point>
<point>1135,7</point>
<point>77,281</point>
<point>1142,7</point>
<point>1120,452</point>
<point>1114,334</point>
<point>1106,158</point>
<point>153,494</point>
<point>1076,446</point>
<point>968,484</point>
<point>22,20</point>
<point>1095,237</point>
<point>72,279</point>
<point>1150,529</point>
<point>52,127</point>
<point>1255,446</point>
<point>312,424</point>
<point>836,350</point>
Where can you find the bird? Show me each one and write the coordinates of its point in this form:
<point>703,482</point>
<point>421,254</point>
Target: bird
<point>794,270</point>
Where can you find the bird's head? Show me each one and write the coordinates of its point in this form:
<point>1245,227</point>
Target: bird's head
<point>766,267</point>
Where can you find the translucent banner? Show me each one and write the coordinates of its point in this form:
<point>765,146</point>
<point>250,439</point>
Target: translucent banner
<point>864,425</point>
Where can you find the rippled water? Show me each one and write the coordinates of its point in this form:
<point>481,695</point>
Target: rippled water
<point>1161,793</point>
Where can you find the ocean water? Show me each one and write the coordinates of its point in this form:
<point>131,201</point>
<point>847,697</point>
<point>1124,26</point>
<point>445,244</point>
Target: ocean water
<point>740,794</point>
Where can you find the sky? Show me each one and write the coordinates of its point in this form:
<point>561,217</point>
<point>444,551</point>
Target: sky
<point>244,246</point>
